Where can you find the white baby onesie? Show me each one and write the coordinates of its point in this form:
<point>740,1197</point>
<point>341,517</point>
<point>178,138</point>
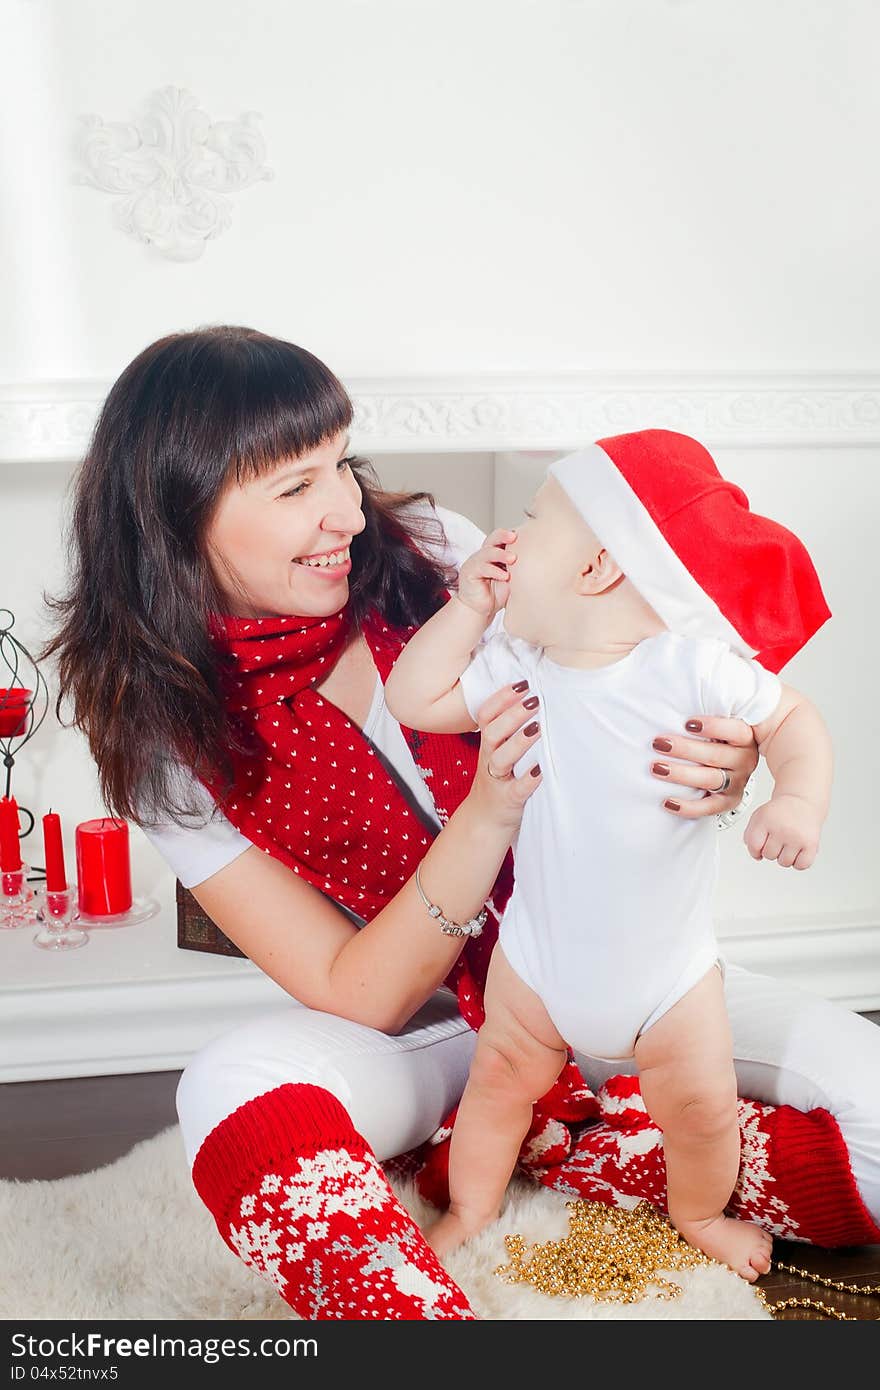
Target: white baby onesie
<point>610,919</point>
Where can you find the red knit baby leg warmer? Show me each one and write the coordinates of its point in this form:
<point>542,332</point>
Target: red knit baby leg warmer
<point>795,1178</point>
<point>301,1198</point>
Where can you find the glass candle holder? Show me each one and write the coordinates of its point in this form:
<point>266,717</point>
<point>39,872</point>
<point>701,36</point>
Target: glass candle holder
<point>17,901</point>
<point>14,709</point>
<point>58,912</point>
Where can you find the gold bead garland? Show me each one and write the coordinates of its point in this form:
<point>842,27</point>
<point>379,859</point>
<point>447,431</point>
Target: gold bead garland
<point>610,1253</point>
<point>863,1290</point>
<point>615,1255</point>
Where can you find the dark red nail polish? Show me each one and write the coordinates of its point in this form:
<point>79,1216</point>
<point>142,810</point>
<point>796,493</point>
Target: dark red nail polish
<point>662,745</point>
<point>535,771</point>
<point>695,726</point>
<point>532,728</point>
<point>661,769</point>
<point>531,702</point>
<point>673,805</point>
<point>521,686</point>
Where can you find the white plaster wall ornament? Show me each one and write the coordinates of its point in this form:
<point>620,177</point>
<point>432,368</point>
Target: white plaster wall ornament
<point>175,167</point>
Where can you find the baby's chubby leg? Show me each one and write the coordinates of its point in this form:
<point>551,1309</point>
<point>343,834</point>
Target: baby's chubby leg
<point>519,1055</point>
<point>688,1084</point>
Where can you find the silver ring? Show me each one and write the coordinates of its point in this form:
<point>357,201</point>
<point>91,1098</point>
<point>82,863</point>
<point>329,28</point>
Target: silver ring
<point>505,778</point>
<point>725,785</point>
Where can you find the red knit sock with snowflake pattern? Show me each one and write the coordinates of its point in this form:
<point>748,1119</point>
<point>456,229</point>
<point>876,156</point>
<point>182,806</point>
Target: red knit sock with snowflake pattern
<point>795,1178</point>
<point>301,1198</point>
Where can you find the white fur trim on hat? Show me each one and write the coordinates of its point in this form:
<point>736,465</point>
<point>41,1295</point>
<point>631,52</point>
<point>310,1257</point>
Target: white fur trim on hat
<point>626,528</point>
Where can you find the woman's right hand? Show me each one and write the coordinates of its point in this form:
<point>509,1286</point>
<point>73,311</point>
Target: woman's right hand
<point>503,719</point>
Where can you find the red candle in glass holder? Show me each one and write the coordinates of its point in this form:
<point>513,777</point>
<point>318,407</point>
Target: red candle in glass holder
<point>103,867</point>
<point>56,878</point>
<point>14,705</point>
<point>10,852</point>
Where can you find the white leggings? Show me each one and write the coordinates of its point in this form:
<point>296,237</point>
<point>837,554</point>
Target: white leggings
<point>790,1048</point>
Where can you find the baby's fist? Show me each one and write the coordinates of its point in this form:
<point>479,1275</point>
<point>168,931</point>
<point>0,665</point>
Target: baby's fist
<point>484,577</point>
<point>786,829</point>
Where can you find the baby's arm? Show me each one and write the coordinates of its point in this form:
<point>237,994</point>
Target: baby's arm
<point>797,745</point>
<point>422,690</point>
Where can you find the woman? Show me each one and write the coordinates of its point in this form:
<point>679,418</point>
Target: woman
<point>241,586</point>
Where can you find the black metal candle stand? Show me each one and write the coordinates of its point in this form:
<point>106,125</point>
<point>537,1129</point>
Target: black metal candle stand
<point>23,672</point>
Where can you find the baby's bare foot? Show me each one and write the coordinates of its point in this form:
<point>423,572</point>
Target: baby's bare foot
<point>450,1232</point>
<point>739,1244</point>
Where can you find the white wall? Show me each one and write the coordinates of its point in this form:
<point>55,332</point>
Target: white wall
<point>615,190</point>
<point>468,184</point>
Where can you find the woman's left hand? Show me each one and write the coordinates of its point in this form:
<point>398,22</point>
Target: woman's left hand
<point>732,749</point>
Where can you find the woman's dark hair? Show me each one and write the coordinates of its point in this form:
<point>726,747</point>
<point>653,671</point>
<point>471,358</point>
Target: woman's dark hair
<point>191,413</point>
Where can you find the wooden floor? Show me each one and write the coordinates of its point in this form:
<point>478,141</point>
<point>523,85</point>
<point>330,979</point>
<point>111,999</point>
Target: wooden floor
<point>51,1129</point>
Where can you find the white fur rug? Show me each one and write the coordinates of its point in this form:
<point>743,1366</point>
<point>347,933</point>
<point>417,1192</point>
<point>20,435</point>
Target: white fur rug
<point>133,1240</point>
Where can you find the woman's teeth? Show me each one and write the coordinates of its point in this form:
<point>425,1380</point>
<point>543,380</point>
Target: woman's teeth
<point>338,557</point>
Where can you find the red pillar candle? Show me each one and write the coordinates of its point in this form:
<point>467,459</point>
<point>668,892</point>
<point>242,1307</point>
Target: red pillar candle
<point>10,853</point>
<point>103,868</point>
<point>56,878</point>
<point>14,711</point>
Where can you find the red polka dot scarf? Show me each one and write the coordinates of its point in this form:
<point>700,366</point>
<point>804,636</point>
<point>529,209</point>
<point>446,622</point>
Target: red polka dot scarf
<point>316,795</point>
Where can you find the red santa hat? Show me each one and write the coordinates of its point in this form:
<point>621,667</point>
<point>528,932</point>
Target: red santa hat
<point>685,537</point>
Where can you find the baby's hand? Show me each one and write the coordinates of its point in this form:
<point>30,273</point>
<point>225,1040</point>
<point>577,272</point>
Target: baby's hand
<point>484,577</point>
<point>786,829</point>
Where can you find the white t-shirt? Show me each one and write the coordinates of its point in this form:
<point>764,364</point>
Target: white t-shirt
<point>611,911</point>
<point>209,841</point>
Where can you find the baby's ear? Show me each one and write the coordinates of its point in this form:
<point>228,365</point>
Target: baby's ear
<point>601,573</point>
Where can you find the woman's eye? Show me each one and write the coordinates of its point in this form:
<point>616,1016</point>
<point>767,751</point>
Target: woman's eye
<point>295,491</point>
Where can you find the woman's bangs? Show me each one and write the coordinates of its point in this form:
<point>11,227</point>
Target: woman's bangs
<point>285,418</point>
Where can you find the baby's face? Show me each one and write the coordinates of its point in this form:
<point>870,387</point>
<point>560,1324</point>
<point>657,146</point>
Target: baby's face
<point>553,545</point>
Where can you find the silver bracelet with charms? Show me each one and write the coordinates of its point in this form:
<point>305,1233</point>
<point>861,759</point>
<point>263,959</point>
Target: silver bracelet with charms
<point>473,927</point>
<point>729,818</point>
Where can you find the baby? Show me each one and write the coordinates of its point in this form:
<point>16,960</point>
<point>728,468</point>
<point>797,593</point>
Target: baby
<point>607,943</point>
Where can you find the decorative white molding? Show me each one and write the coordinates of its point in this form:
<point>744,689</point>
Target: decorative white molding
<point>567,410</point>
<point>175,167</point>
<point>52,420</point>
<point>48,422</point>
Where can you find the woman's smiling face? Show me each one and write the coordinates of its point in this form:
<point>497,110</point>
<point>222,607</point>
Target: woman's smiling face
<point>263,530</point>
